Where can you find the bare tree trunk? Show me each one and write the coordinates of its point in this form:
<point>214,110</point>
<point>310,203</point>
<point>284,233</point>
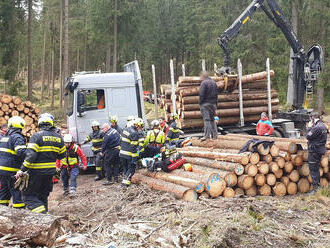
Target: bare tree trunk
<point>108,58</point>
<point>66,42</point>
<point>53,79</point>
<point>43,66</point>
<point>61,54</point>
<point>29,52</point>
<point>291,91</point>
<point>78,59</point>
<point>49,75</point>
<point>85,46</point>
<point>114,64</point>
<point>320,99</point>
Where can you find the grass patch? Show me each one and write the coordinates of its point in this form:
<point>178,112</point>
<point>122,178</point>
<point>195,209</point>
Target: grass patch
<point>325,191</point>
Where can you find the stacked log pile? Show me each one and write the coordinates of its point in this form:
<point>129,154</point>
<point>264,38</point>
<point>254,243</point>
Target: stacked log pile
<point>219,170</point>
<point>187,99</point>
<point>14,106</point>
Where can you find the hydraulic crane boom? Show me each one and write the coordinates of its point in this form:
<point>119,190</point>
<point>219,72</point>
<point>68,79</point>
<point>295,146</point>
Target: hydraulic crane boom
<point>306,66</point>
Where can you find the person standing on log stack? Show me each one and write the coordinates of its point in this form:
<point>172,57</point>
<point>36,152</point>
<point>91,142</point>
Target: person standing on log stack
<point>208,99</point>
<point>12,153</point>
<point>110,151</point>
<point>44,148</point>
<point>130,149</point>
<point>317,138</point>
<point>96,137</point>
<point>264,126</point>
<point>69,165</point>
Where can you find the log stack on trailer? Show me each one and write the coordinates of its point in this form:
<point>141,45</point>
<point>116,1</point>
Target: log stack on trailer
<point>219,170</point>
<point>14,106</point>
<point>255,99</point>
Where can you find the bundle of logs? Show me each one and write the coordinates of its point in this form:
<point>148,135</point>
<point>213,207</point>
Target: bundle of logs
<point>14,106</point>
<point>187,99</point>
<point>218,169</point>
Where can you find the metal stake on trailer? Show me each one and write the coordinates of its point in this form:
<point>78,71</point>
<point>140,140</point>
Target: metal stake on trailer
<point>215,68</point>
<point>173,86</point>
<point>240,92</point>
<point>269,89</point>
<point>155,90</point>
<point>203,65</point>
<point>183,70</point>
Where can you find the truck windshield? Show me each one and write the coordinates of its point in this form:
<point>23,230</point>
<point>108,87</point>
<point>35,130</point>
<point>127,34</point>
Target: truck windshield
<point>69,100</point>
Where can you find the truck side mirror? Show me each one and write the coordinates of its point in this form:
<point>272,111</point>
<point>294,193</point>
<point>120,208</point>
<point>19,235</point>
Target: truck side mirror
<point>80,103</point>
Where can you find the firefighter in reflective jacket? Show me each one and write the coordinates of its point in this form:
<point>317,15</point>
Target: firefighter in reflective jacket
<point>96,137</point>
<point>44,148</point>
<point>69,165</point>
<point>130,149</point>
<point>174,133</point>
<point>154,140</point>
<point>114,123</point>
<point>12,153</point>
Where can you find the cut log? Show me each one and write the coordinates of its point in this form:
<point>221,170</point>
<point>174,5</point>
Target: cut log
<point>251,191</point>
<point>325,161</point>
<point>297,160</point>
<point>260,179</point>
<point>229,193</point>
<point>239,192</point>
<point>292,188</point>
<point>280,161</point>
<point>15,113</point>
<point>310,179</point>
<point>20,107</point>
<point>17,100</point>
<point>304,170</point>
<point>245,182</point>
<point>271,179</point>
<point>285,155</point>
<point>262,150</point>
<point>35,229</point>
<point>28,104</point>
<point>254,158</point>
<point>179,191</point>
<point>288,167</point>
<point>265,190</point>
<point>6,99</point>
<point>303,185</point>
<point>279,189</point>
<point>324,182</point>
<point>215,186</point>
<point>263,168</point>
<point>251,170</point>
<point>325,169</point>
<point>304,154</point>
<point>274,167</point>
<point>294,176</point>
<point>275,151</point>
<point>4,107</point>
<point>268,158</point>
<point>285,180</point>
<point>278,174</point>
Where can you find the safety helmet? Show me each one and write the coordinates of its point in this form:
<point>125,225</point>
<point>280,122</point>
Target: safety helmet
<point>16,121</point>
<point>155,123</point>
<point>174,116</point>
<point>114,119</point>
<point>95,124</point>
<point>46,119</point>
<point>139,122</point>
<point>130,118</point>
<point>67,138</point>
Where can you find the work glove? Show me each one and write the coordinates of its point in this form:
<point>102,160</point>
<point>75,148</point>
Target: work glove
<point>310,124</point>
<point>22,182</point>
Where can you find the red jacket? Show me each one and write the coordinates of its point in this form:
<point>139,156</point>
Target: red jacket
<point>72,155</point>
<point>264,127</point>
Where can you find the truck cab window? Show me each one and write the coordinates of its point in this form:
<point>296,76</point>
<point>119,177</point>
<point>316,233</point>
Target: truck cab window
<point>69,99</point>
<point>93,99</point>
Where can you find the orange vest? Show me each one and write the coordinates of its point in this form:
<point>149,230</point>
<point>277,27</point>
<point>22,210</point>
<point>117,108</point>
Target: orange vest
<point>101,104</point>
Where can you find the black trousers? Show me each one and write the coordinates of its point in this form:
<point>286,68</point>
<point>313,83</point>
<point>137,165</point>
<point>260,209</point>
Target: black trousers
<point>314,159</point>
<point>111,163</point>
<point>37,192</point>
<point>98,164</point>
<point>8,191</point>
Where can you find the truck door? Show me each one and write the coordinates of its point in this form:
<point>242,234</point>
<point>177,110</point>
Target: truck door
<point>91,105</point>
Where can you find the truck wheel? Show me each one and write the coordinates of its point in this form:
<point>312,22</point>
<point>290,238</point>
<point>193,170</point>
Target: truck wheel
<point>277,133</point>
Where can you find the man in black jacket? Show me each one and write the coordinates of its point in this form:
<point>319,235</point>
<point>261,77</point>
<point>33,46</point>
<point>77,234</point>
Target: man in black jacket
<point>208,99</point>
<point>44,148</point>
<point>317,139</point>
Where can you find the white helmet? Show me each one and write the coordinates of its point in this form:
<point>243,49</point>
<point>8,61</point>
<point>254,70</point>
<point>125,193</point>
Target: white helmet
<point>17,122</point>
<point>95,124</point>
<point>155,123</point>
<point>130,118</point>
<point>67,138</point>
<point>139,122</point>
<point>114,119</point>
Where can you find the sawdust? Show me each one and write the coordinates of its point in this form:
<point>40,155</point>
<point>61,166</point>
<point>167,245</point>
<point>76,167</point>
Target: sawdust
<point>139,217</point>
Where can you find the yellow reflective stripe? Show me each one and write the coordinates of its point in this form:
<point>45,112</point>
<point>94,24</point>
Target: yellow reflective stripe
<point>98,168</point>
<point>97,140</point>
<point>33,146</point>
<point>96,148</point>
<point>126,140</point>
<point>39,165</point>
<point>20,147</point>
<point>4,201</point>
<point>39,209</point>
<point>8,169</point>
<point>174,130</point>
<point>134,143</point>
<point>8,151</point>
<point>126,133</point>
<point>129,153</point>
<point>19,205</point>
<point>168,139</point>
<point>126,182</point>
<point>72,161</point>
<point>246,19</point>
<point>38,148</point>
<point>62,150</point>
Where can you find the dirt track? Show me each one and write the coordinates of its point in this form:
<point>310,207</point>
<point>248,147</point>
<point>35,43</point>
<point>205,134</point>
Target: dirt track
<point>154,219</point>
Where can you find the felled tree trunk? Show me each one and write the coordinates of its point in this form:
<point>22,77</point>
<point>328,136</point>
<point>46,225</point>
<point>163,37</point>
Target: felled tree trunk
<point>35,229</point>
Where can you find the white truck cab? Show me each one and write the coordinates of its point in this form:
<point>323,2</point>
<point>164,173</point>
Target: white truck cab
<point>97,96</point>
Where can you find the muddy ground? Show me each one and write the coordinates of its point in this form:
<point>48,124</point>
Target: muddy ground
<point>138,217</point>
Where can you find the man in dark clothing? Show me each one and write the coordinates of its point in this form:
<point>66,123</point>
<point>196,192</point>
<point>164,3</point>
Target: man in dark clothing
<point>44,148</point>
<point>317,138</point>
<point>110,151</point>
<point>208,99</point>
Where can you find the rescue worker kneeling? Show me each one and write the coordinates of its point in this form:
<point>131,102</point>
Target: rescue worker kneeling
<point>110,151</point>
<point>130,149</point>
<point>96,137</point>
<point>174,133</point>
<point>44,148</point>
<point>12,153</point>
<point>154,140</point>
<point>69,165</point>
